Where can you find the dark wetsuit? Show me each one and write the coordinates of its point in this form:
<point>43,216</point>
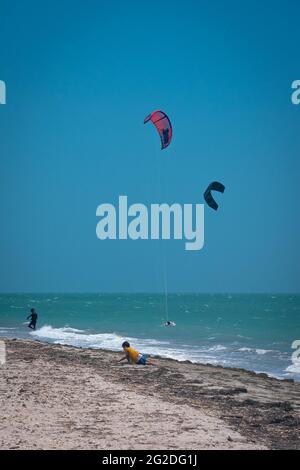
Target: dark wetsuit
<point>33,320</point>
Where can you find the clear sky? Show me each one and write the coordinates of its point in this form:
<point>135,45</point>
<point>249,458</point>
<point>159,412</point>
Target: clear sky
<point>81,77</point>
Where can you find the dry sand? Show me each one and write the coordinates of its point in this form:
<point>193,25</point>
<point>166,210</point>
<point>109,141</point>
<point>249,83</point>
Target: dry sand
<point>61,397</point>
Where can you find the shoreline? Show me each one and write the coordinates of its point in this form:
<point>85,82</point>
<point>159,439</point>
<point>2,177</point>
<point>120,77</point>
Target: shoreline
<point>157,356</point>
<point>61,397</point>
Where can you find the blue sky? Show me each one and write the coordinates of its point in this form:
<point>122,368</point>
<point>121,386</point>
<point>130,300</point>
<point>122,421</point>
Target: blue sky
<point>81,77</point>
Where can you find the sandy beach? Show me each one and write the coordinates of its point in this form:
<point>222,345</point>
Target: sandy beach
<point>62,397</point>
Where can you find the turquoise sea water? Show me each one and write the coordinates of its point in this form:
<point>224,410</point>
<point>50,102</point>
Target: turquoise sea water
<point>249,331</point>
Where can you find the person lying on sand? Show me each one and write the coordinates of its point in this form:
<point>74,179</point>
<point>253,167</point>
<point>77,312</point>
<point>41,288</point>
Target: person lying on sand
<point>133,356</point>
<point>33,320</point>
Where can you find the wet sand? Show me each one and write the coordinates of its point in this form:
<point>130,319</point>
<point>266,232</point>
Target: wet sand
<point>61,397</point>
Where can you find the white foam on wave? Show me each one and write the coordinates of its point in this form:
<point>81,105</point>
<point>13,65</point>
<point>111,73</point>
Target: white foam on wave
<point>217,347</point>
<point>154,342</point>
<point>257,351</point>
<point>72,330</point>
<point>75,337</point>
<point>294,368</point>
<point>263,351</point>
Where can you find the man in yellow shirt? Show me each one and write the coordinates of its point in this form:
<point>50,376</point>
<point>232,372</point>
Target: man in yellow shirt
<point>133,356</point>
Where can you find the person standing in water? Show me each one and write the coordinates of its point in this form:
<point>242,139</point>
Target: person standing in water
<point>33,319</point>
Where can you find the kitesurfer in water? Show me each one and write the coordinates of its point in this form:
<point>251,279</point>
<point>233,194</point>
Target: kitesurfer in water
<point>33,319</point>
<point>170,323</point>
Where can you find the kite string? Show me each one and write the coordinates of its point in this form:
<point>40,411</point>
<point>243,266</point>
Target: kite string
<point>164,257</point>
<point>165,285</point>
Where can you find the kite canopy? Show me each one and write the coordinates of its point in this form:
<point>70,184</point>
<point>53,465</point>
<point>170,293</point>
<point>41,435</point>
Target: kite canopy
<point>215,186</point>
<point>163,126</point>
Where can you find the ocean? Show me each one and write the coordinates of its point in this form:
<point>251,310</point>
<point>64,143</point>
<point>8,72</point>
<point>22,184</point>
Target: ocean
<point>253,332</point>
